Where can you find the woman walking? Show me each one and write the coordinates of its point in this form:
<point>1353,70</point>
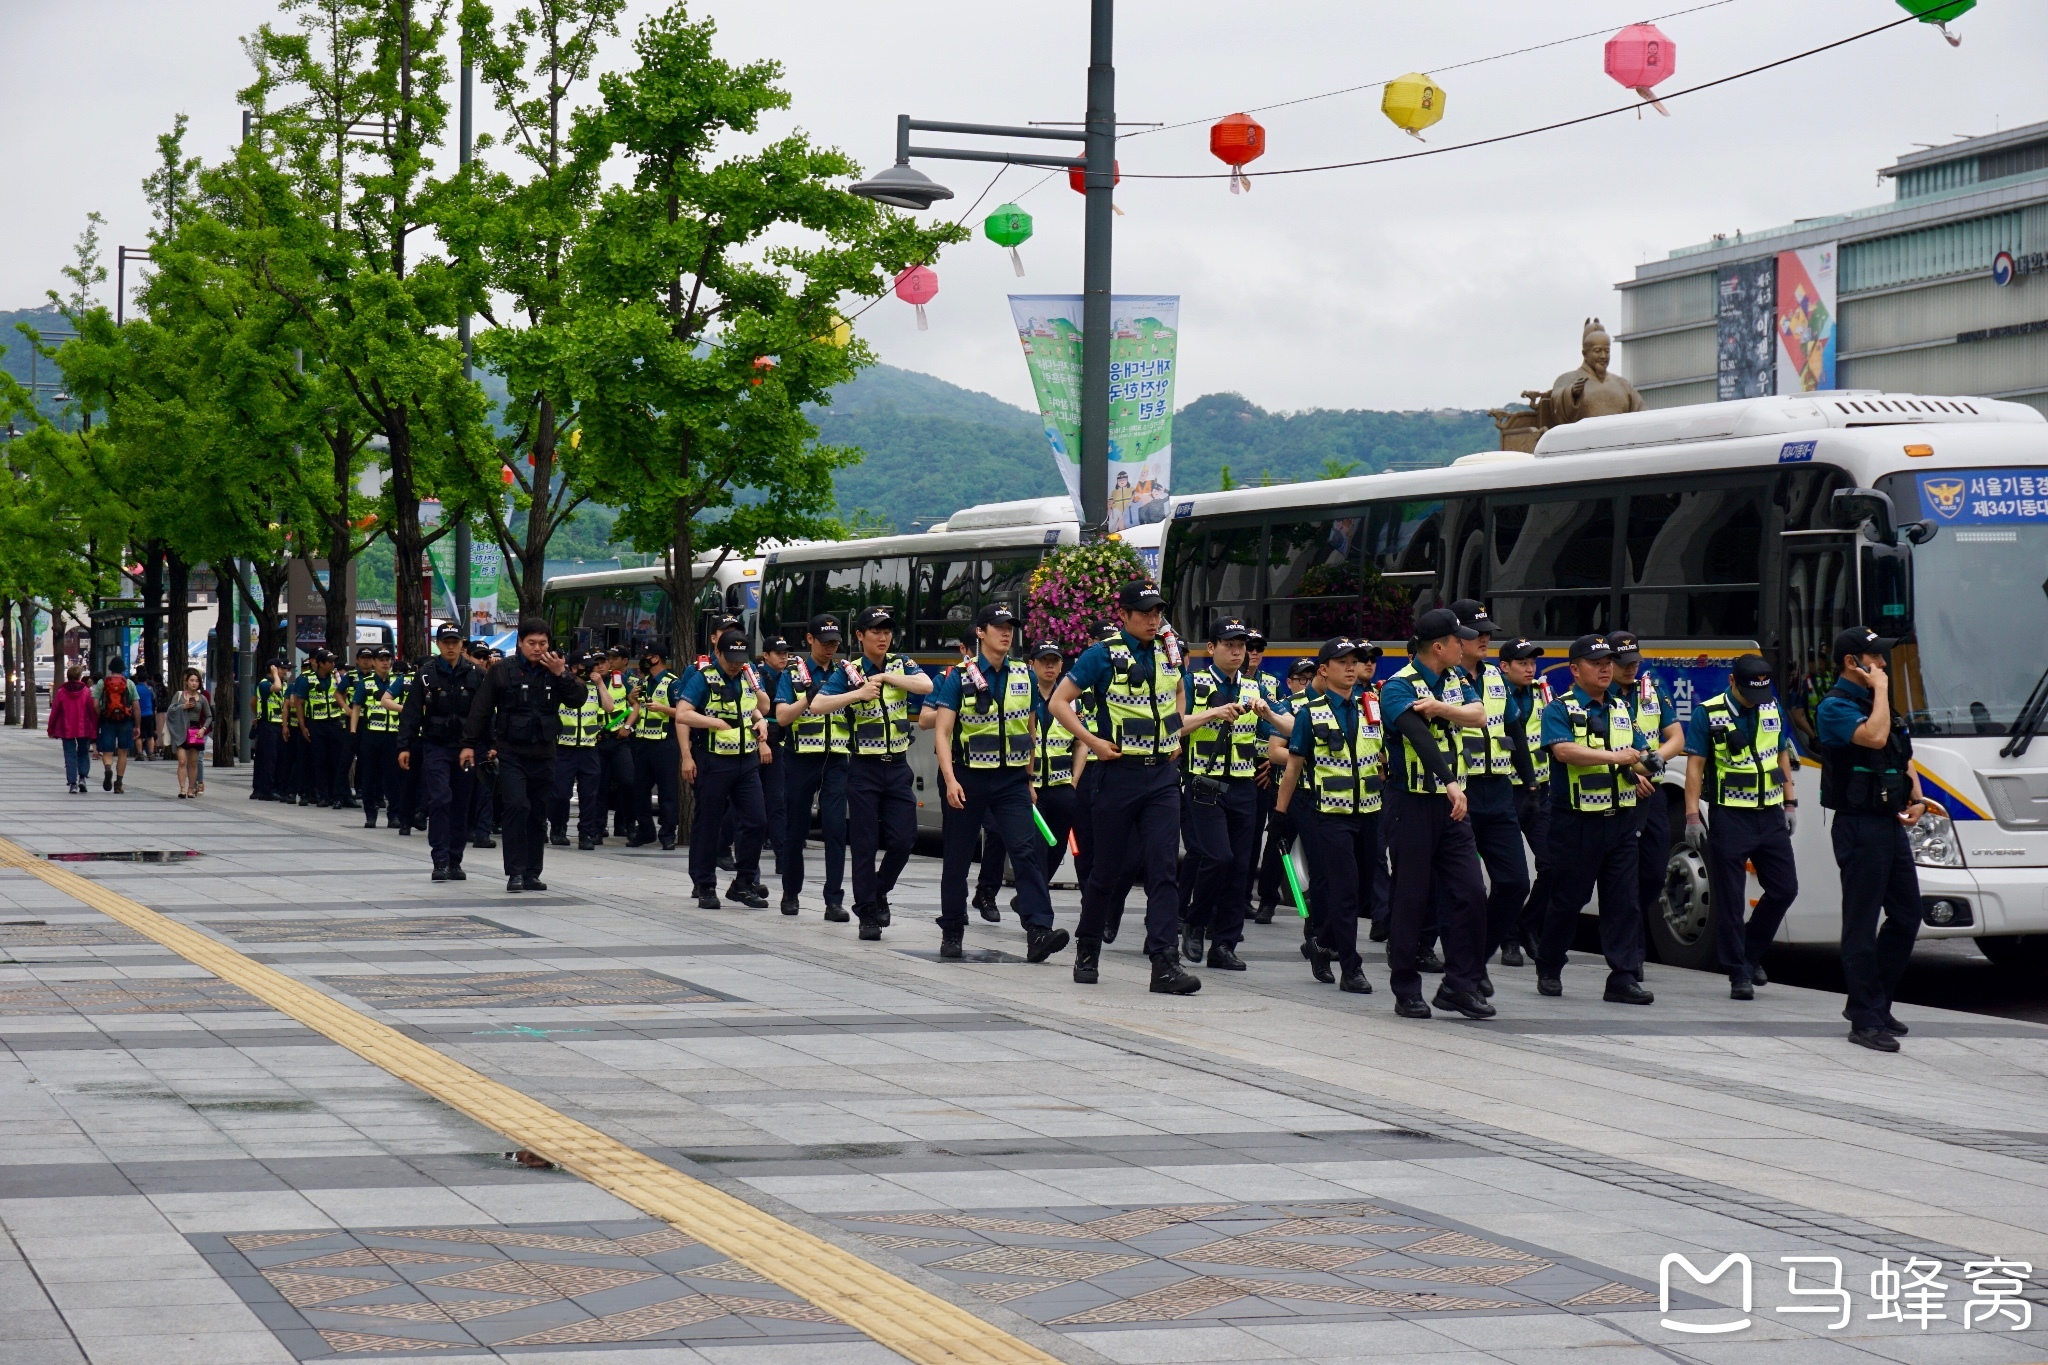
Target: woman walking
<point>187,719</point>
<point>74,723</point>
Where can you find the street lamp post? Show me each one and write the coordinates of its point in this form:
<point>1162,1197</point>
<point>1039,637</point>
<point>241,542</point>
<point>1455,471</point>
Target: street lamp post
<point>463,550</point>
<point>904,187</point>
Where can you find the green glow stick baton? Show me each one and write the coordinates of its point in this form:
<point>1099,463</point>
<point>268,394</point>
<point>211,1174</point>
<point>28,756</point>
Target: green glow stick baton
<point>1043,828</point>
<point>1294,883</point>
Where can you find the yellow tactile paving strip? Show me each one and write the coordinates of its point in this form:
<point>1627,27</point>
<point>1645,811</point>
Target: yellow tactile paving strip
<point>911,1321</point>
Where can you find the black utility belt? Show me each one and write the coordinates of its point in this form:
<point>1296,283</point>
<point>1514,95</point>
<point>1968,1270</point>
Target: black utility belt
<point>881,758</point>
<point>1141,760</point>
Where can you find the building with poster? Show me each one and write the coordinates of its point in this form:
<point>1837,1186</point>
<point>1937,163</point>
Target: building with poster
<point>1944,290</point>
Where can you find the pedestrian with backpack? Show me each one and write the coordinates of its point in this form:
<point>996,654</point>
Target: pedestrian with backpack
<point>113,699</point>
<point>74,724</point>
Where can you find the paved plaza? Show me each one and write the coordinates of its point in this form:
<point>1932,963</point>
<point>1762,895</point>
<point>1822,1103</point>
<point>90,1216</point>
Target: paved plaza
<point>1266,1171</point>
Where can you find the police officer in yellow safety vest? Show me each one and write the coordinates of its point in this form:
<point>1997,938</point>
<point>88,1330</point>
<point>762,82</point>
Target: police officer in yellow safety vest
<point>725,708</point>
<point>881,692</point>
<point>1528,694</point>
<point>267,707</point>
<point>657,759</point>
<point>983,742</point>
<point>1739,761</point>
<point>1490,785</point>
<point>1657,717</point>
<point>322,724</point>
<point>1136,807</point>
<point>1331,793</point>
<point>579,770</point>
<point>1429,833</point>
<point>1220,796</point>
<point>375,708</point>
<point>1596,755</point>
<point>815,769</point>
<point>1057,763</point>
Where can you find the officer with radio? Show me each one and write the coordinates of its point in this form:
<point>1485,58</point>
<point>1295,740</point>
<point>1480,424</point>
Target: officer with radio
<point>657,759</point>
<point>1490,777</point>
<point>323,729</point>
<point>1741,765</point>
<point>725,708</point>
<point>1220,795</point>
<point>579,772</point>
<point>1656,716</point>
<point>1867,780</point>
<point>1331,795</point>
<point>1136,829</point>
<point>1528,694</point>
<point>516,715</point>
<point>1597,761</point>
<point>983,742</point>
<point>1279,833</point>
<point>436,710</point>
<point>815,769</point>
<point>881,693</point>
<point>379,698</point>
<point>267,706</point>
<point>1089,708</point>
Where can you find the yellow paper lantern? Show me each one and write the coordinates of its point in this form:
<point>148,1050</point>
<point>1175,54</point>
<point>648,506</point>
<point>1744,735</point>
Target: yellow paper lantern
<point>839,331</point>
<point>1413,102</point>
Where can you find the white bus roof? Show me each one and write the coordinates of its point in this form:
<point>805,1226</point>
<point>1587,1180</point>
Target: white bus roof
<point>733,570</point>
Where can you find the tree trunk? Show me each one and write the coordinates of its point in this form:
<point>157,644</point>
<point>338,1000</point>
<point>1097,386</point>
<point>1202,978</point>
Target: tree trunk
<point>407,545</point>
<point>177,618</point>
<point>222,658</point>
<point>152,604</point>
<point>533,561</point>
<point>270,630</point>
<point>28,652</point>
<point>341,626</point>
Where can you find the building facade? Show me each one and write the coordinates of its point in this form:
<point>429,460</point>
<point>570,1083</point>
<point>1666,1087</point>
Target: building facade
<point>1942,291</point>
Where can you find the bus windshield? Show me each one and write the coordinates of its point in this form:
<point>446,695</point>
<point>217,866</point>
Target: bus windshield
<point>1980,614</point>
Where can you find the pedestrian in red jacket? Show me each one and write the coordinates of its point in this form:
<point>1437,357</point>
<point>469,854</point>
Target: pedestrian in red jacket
<point>74,723</point>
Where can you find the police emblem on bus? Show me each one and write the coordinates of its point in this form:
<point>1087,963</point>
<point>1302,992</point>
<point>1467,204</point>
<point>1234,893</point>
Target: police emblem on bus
<point>1945,494</point>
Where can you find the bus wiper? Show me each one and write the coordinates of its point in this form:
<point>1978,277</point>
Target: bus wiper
<point>2028,721</point>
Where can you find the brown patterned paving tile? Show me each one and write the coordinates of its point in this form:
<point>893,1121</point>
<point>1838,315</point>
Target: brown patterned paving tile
<point>1464,1244</point>
<point>631,1325</point>
<point>542,1278</point>
<point>1371,1298</point>
<point>1269,1255</point>
<point>647,1244</point>
<point>1337,1227</point>
<point>441,927</point>
<point>259,1241</point>
<point>1184,1300</point>
<point>1352,1207</point>
<point>889,1241</point>
<point>458,1310</point>
<point>724,1270</point>
<point>1456,1274</point>
<point>782,1310</point>
<point>346,1343</point>
<point>1609,1294</point>
<point>1053,1262</point>
<point>128,995</point>
<point>1003,1291</point>
<point>305,1291</point>
<point>653,1243</point>
<point>1120,1227</point>
<point>362,1256</point>
<point>486,990</point>
<point>1028,1227</point>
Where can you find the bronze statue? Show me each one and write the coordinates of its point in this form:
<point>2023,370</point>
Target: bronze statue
<point>1592,390</point>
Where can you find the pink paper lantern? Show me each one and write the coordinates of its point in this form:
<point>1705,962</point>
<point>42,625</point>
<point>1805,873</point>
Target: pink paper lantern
<point>1641,57</point>
<point>917,287</point>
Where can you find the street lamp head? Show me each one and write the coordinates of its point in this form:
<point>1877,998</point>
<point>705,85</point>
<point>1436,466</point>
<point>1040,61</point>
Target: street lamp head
<point>902,186</point>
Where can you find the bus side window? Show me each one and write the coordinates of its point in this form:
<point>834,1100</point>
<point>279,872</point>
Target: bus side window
<point>1551,566</point>
<point>945,602</point>
<point>1699,554</point>
<point>1008,581</point>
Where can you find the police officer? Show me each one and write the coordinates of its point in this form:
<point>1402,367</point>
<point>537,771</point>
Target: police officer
<point>1089,708</point>
<point>1490,787</point>
<point>1528,694</point>
<point>517,714</point>
<point>983,742</point>
<point>374,712</point>
<point>267,707</point>
<point>814,769</point>
<point>1656,716</point>
<point>352,680</point>
<point>1596,755</point>
<point>1436,860</point>
<point>725,708</point>
<point>483,793</point>
<point>1867,780</point>
<point>1740,763</point>
<point>579,773</point>
<point>405,812</point>
<point>1279,832</point>
<point>657,759</point>
<point>323,728</point>
<point>773,663</point>
<point>881,692</point>
<point>1331,794</point>
<point>615,746</point>
<point>430,732</point>
<point>1136,807</point>
<point>1220,796</point>
<point>1055,763</point>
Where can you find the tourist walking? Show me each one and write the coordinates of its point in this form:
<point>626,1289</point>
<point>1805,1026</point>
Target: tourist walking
<point>188,719</point>
<point>74,724</point>
<point>113,699</point>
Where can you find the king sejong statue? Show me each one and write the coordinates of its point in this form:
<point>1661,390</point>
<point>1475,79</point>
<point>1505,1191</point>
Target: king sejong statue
<point>1592,390</point>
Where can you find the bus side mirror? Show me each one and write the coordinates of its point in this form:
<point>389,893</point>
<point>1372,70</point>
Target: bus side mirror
<point>1867,508</point>
<point>1918,532</point>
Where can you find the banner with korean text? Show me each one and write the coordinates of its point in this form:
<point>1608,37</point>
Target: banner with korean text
<point>1143,353</point>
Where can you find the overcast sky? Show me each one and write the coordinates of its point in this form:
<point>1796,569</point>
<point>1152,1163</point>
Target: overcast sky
<point>1451,281</point>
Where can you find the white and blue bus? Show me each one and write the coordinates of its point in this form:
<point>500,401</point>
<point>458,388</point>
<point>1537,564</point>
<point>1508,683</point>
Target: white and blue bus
<point>1763,525</point>
<point>630,608</point>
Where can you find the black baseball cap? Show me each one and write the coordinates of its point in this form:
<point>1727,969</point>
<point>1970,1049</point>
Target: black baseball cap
<point>1229,628</point>
<point>995,614</point>
<point>1472,613</point>
<point>448,632</point>
<point>1339,648</point>
<point>1139,595</point>
<point>1108,630</point>
<point>1519,648</point>
<point>380,653</point>
<point>616,652</point>
<point>1302,668</point>
<point>775,644</point>
<point>1255,641</point>
<point>1860,640</point>
<point>1442,621</point>
<point>1591,648</point>
<point>321,656</point>
<point>1751,676</point>
<point>824,625</point>
<point>874,618</point>
<point>1627,648</point>
<point>732,642</point>
<point>1047,649</point>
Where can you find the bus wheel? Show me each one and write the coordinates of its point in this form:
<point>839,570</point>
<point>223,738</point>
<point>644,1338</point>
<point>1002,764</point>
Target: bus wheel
<point>1681,922</point>
<point>2016,952</point>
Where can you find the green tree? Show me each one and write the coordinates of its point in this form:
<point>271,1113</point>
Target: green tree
<point>706,290</point>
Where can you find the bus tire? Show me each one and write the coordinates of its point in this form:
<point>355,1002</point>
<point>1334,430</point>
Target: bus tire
<point>2015,952</point>
<point>1680,924</point>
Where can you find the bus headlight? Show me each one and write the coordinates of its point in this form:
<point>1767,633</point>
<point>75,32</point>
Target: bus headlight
<point>1934,839</point>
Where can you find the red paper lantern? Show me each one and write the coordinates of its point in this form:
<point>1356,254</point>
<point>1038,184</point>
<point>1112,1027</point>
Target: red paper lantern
<point>1642,57</point>
<point>1077,178</point>
<point>918,286</point>
<point>506,473</point>
<point>763,364</point>
<point>1235,140</point>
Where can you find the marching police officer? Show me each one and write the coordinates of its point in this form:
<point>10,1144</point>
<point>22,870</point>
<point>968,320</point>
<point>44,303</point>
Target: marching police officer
<point>352,680</point>
<point>1220,795</point>
<point>1656,716</point>
<point>615,745</point>
<point>983,742</point>
<point>657,759</point>
<point>483,793</point>
<point>374,712</point>
<point>815,769</point>
<point>881,692</point>
<point>1331,795</point>
<point>323,728</point>
<point>1136,807</point>
<point>1528,694</point>
<point>1055,763</point>
<point>1596,755</point>
<point>517,714</point>
<point>1436,859</point>
<point>404,783</point>
<point>579,772</point>
<point>773,663</point>
<point>1741,765</point>
<point>1490,788</point>
<point>430,731</point>
<point>268,708</point>
<point>725,707</point>
<point>1279,830</point>
<point>1867,780</point>
<point>1089,708</point>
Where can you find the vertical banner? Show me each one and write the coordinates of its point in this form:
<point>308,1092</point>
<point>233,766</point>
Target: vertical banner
<point>1745,330</point>
<point>1806,319</point>
<point>1143,352</point>
<point>485,566</point>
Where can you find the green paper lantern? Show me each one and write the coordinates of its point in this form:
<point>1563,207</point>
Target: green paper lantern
<point>1009,226</point>
<point>1938,13</point>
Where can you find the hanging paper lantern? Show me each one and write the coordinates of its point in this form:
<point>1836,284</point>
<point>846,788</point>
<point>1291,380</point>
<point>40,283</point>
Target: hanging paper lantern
<point>1413,102</point>
<point>1234,140</point>
<point>838,332</point>
<point>1641,57</point>
<point>1938,13</point>
<point>1009,226</point>
<point>505,472</point>
<point>1077,178</point>
<point>762,364</point>
<point>917,287</point>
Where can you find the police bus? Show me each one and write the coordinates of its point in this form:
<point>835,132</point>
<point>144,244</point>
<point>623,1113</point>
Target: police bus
<point>1763,525</point>
<point>630,608</point>
<point>934,582</point>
